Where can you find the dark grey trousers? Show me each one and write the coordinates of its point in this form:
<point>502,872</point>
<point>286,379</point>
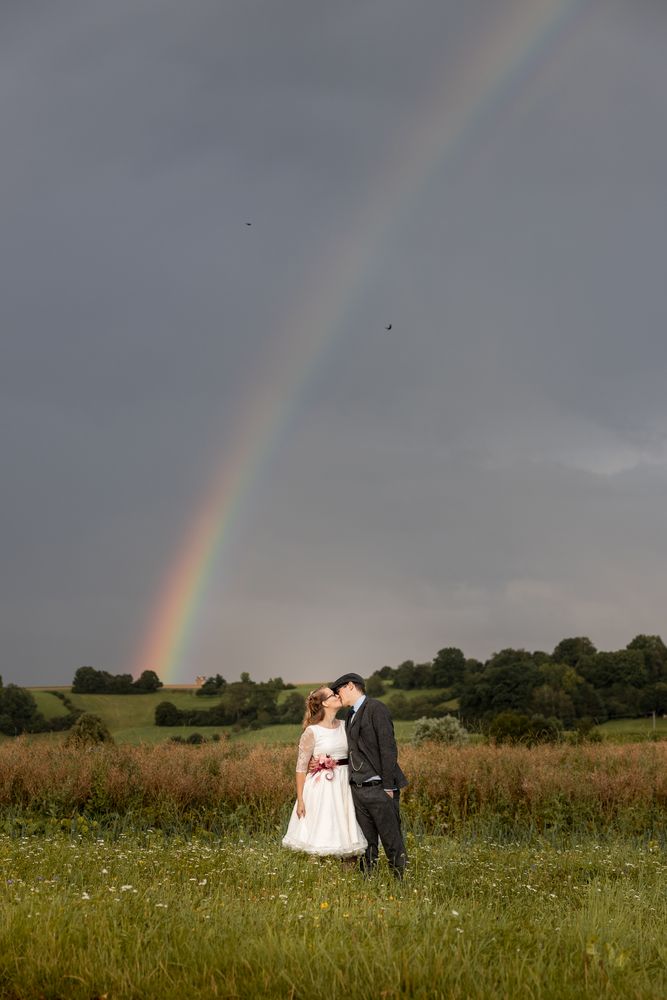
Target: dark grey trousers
<point>379,816</point>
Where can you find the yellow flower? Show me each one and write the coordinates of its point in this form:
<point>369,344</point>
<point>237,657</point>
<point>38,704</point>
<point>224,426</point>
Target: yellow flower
<point>324,906</point>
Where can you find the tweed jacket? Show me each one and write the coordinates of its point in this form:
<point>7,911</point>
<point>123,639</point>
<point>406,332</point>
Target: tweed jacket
<point>371,735</point>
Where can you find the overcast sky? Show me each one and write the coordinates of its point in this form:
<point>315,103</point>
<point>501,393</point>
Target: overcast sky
<point>491,472</point>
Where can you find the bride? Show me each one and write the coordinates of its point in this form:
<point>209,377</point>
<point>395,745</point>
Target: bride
<point>323,820</point>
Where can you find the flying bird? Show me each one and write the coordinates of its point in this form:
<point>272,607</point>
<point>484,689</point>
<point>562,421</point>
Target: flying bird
<point>248,223</point>
<point>389,326</point>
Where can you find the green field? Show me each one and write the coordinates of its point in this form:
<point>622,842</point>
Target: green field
<point>152,916</point>
<point>48,705</point>
<point>130,718</point>
<point>621,730</point>
<point>137,872</point>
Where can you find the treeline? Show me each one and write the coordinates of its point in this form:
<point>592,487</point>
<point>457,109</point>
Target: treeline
<point>244,703</point>
<point>19,713</point>
<point>515,693</point>
<point>572,683</point>
<point>88,680</point>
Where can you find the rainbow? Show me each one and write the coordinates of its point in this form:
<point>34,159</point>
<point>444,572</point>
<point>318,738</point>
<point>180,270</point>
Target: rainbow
<point>514,48</point>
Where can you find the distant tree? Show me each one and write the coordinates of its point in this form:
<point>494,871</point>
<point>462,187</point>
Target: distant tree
<point>515,727</point>
<point>654,698</point>
<point>166,714</point>
<point>292,709</point>
<point>448,667</point>
<point>398,705</point>
<point>506,683</point>
<point>510,727</point>
<point>655,656</point>
<point>277,683</point>
<point>148,681</point>
<point>472,676</point>
<point>423,675</point>
<point>88,730</point>
<point>510,657</point>
<point>119,683</point>
<point>374,686</point>
<point>623,666</point>
<point>573,651</point>
<point>386,673</point>
<point>212,686</point>
<point>554,697</point>
<point>18,711</point>
<point>404,676</point>
<point>560,676</point>
<point>622,701</point>
<point>402,707</point>
<point>553,702</point>
<point>588,703</point>
<point>243,704</point>
<point>425,705</point>
<point>86,681</point>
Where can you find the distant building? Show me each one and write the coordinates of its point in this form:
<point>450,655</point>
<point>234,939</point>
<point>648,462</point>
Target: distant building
<point>199,680</point>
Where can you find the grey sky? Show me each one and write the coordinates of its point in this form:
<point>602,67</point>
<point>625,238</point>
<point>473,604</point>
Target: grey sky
<point>492,472</point>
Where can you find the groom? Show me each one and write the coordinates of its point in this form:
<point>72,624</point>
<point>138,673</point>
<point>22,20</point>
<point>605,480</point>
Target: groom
<point>375,776</point>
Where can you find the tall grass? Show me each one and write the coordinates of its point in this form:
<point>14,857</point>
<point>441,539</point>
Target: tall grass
<point>495,791</point>
<point>155,916</point>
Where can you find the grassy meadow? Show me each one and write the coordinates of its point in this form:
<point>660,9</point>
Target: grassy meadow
<point>631,730</point>
<point>152,869</point>
<point>130,718</point>
<point>144,915</point>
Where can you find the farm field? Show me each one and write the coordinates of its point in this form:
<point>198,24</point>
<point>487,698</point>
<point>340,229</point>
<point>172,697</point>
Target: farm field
<point>241,917</point>
<point>633,729</point>
<point>49,706</point>
<point>130,718</point>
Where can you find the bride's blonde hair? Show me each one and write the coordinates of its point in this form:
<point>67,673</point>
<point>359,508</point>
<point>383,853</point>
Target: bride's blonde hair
<point>314,707</point>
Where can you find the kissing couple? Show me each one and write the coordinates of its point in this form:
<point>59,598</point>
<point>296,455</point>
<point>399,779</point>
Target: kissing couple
<point>348,780</point>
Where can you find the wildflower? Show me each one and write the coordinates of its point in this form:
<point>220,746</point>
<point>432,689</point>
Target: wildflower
<point>324,906</point>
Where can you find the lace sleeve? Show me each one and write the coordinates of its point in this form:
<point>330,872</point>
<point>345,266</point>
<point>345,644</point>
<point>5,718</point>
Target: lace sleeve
<point>306,746</point>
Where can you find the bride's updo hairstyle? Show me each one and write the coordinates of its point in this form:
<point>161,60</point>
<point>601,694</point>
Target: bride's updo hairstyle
<point>314,707</point>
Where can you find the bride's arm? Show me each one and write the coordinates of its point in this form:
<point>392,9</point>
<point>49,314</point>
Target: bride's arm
<point>300,782</point>
<point>306,746</point>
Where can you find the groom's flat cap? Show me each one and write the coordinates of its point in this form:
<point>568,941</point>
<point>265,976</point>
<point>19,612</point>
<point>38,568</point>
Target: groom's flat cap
<point>345,679</point>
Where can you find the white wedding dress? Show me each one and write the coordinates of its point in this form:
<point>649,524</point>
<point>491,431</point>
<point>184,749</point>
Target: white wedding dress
<point>330,826</point>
